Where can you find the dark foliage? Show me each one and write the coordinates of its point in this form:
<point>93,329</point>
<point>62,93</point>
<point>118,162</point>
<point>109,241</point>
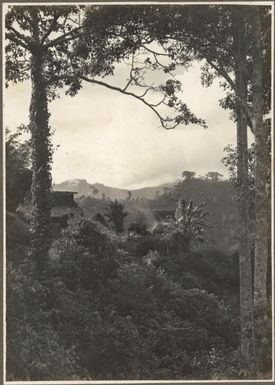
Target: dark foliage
<point>220,200</point>
<point>138,228</point>
<point>18,173</point>
<point>107,315</point>
<point>116,214</point>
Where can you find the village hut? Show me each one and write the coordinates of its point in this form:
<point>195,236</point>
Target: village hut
<point>64,208</point>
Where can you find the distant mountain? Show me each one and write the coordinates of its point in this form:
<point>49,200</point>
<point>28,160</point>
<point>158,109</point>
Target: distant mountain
<point>82,187</point>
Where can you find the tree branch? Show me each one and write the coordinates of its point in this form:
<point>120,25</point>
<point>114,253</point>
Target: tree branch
<point>53,24</point>
<point>19,35</point>
<point>122,91</point>
<point>66,37</point>
<point>27,18</point>
<point>145,93</point>
<point>225,75</point>
<point>131,75</point>
<point>159,103</point>
<point>14,39</point>
<point>153,52</point>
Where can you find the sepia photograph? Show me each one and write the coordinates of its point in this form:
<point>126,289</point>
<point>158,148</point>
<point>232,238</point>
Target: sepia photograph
<point>138,192</point>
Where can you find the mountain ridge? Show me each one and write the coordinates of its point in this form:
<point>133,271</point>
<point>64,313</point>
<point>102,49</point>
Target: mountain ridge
<point>98,190</point>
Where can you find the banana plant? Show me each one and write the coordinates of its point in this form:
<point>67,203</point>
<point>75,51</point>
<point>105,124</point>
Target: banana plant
<point>191,220</point>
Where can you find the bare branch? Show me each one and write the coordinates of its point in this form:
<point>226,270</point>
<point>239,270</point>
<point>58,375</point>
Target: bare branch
<point>121,90</point>
<point>154,52</point>
<point>131,74</point>
<point>148,89</point>
<point>159,103</point>
<point>128,84</point>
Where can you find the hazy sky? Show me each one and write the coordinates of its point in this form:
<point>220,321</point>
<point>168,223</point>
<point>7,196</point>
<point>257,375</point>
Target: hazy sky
<point>110,138</point>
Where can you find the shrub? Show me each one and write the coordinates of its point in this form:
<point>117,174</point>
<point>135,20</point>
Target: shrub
<point>105,314</point>
<point>35,350</point>
<point>138,228</point>
<point>116,214</point>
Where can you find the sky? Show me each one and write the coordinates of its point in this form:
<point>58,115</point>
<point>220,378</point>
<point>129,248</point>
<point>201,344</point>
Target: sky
<point>106,137</point>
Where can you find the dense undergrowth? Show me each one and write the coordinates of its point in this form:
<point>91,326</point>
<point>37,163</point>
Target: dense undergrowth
<point>110,311</point>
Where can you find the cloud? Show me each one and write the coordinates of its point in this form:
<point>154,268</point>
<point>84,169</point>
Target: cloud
<point>114,139</point>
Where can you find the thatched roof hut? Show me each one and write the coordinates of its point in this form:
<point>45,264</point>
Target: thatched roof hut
<point>63,207</point>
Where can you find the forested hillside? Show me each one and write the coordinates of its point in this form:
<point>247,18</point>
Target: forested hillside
<point>171,282</point>
<point>128,289</point>
<point>219,196</point>
<point>115,301</point>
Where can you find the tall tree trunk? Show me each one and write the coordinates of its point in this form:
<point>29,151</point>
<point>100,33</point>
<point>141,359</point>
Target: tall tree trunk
<point>262,203</point>
<point>41,159</point>
<point>245,262</point>
<point>261,174</point>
